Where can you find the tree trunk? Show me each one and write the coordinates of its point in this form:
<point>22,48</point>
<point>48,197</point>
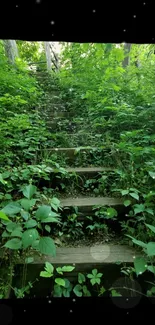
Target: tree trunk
<point>127,49</point>
<point>11,50</point>
<point>48,56</point>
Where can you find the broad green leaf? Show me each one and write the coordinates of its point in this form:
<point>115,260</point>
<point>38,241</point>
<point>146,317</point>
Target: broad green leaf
<point>140,265</point>
<point>95,280</point>
<point>48,228</point>
<point>55,203</point>
<point>30,223</point>
<point>81,278</point>
<point>78,290</point>
<point>49,267</point>
<point>47,246</point>
<point>45,212</point>
<point>138,208</point>
<point>3,216</point>
<point>27,204</point>
<point>45,274</point>
<point>151,227</point>
<point>29,191</point>
<point>16,233</point>
<point>29,260</point>
<point>12,208</point>
<point>14,243</point>
<point>135,196</point>
<point>151,249</point>
<point>13,226</point>
<point>125,192</point>
<point>35,244</point>
<point>68,268</point>
<point>127,203</point>
<point>29,236</point>
<point>60,282</point>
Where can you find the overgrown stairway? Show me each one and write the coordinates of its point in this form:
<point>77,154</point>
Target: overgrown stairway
<point>59,121</point>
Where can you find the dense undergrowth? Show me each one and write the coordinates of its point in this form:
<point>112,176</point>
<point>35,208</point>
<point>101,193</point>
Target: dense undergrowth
<point>110,107</point>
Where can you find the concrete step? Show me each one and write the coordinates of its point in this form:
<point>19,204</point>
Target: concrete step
<point>98,254</point>
<point>86,204</point>
<point>88,170</point>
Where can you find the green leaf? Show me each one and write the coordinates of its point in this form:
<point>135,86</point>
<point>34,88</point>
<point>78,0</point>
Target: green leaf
<point>125,192</point>
<point>78,290</point>
<point>137,242</point>
<point>11,226</point>
<point>127,203</point>
<point>81,278</point>
<point>25,215</point>
<point>5,234</point>
<point>16,233</point>
<point>30,223</point>
<point>3,216</point>
<point>14,243</point>
<point>55,203</point>
<point>57,291</point>
<point>151,249</point>
<point>95,280</point>
<point>86,291</point>
<point>2,180</point>
<point>152,228</point>
<point>114,293</point>
<point>151,268</point>
<point>29,236</point>
<point>27,204</point>
<point>140,265</point>
<point>45,212</point>
<point>47,246</point>
<point>135,196</point>
<point>29,191</point>
<point>29,260</point>
<point>45,274</point>
<point>49,267</point>
<point>138,208</point>
<point>112,212</point>
<point>12,208</point>
<point>50,219</point>
<point>48,228</point>
<point>59,270</point>
<point>94,272</point>
<point>152,174</point>
<point>68,268</point>
<point>60,282</point>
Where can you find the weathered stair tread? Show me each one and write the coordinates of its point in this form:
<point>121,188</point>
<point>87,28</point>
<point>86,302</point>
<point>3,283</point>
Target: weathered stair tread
<point>71,149</point>
<point>90,201</point>
<point>99,254</point>
<point>88,169</point>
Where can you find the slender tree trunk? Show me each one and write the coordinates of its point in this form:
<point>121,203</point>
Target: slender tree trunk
<point>127,49</point>
<point>48,56</point>
<point>11,50</point>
